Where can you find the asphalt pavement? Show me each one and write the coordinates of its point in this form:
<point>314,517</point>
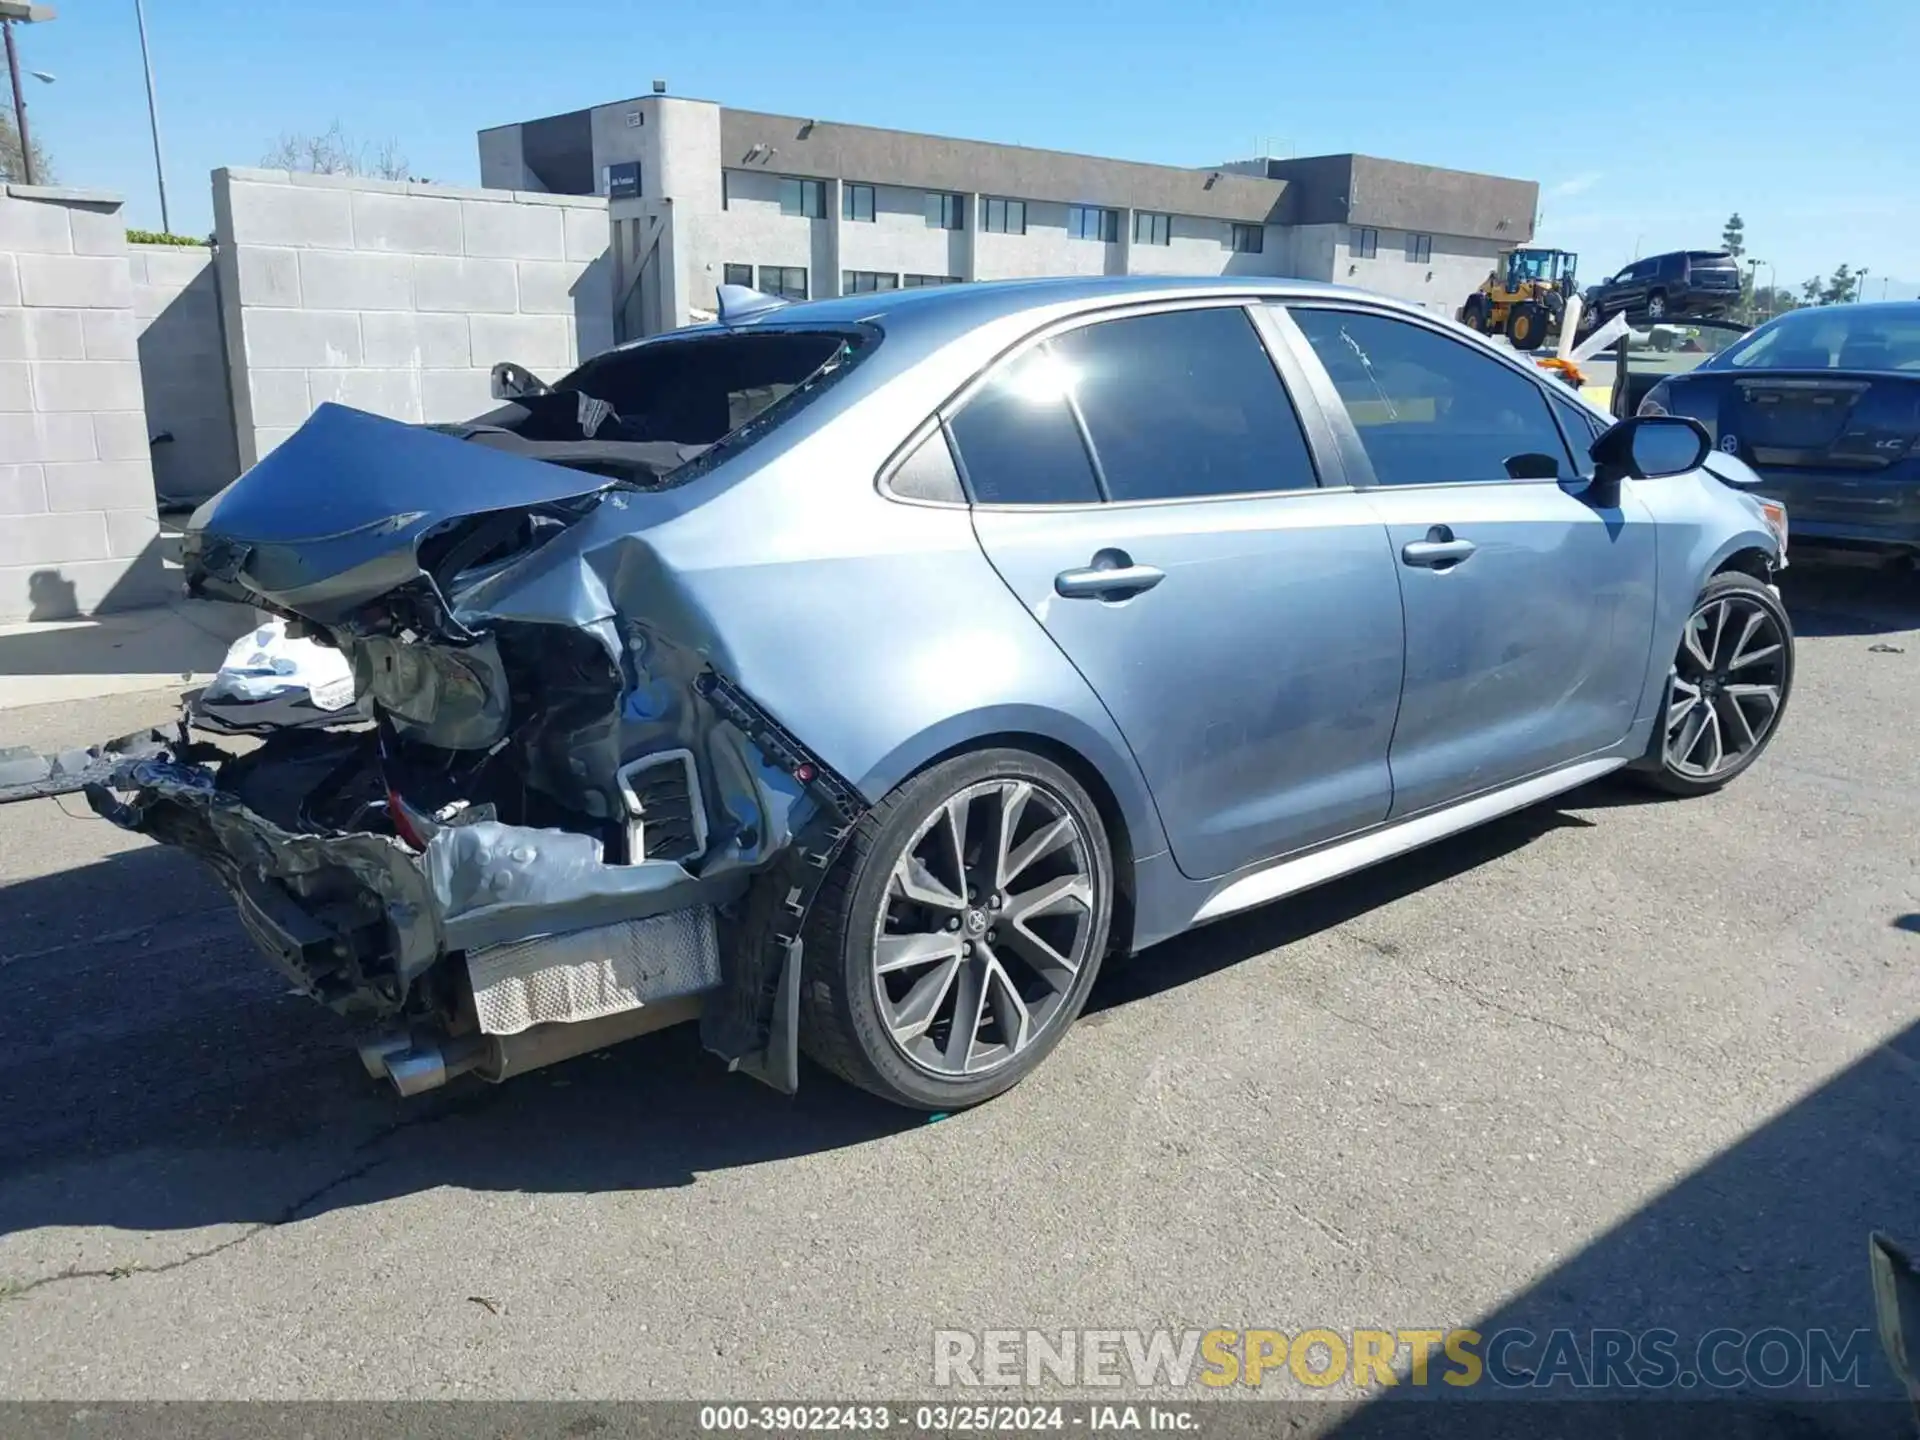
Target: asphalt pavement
<point>1609,1062</point>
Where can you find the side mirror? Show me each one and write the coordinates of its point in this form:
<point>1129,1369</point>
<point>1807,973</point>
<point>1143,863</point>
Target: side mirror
<point>511,382</point>
<point>1645,447</point>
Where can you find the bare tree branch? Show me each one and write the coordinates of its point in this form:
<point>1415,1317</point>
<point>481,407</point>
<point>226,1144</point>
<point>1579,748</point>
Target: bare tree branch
<point>11,166</point>
<point>332,152</point>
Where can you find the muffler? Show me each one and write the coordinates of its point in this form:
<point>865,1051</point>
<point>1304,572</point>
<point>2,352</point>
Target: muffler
<point>416,1064</point>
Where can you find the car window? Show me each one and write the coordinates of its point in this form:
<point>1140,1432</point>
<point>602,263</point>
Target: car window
<point>1828,337</point>
<point>1429,410</point>
<point>928,473</point>
<point>1185,404</point>
<point>1583,427</point>
<point>1018,440</point>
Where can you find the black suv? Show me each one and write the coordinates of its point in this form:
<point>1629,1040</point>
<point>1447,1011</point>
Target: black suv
<point>1668,287</point>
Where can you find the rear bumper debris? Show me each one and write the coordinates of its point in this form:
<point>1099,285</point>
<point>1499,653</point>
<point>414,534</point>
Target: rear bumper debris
<point>355,919</point>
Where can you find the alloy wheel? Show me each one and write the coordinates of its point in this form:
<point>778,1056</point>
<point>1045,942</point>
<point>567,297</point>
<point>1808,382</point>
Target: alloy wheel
<point>986,926</point>
<point>1727,687</point>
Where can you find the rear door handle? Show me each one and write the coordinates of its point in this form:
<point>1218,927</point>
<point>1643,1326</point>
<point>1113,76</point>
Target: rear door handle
<point>1106,582</point>
<point>1436,554</point>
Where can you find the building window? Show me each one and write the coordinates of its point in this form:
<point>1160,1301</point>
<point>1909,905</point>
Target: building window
<point>1364,242</point>
<point>944,211</point>
<point>865,282</point>
<point>1420,249</point>
<point>789,282</point>
<point>737,275</point>
<point>1004,217</point>
<point>803,197</point>
<point>1090,222</point>
<point>921,282</point>
<point>1248,239</point>
<point>856,202</point>
<point>1152,229</point>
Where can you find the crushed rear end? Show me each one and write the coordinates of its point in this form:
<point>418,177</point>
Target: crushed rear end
<point>551,820</point>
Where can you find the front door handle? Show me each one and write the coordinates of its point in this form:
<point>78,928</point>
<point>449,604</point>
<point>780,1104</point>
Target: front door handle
<point>1441,550</point>
<point>1116,579</point>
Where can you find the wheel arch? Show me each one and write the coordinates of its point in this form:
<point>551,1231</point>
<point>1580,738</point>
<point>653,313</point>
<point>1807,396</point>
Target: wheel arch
<point>1109,777</point>
<point>1754,560</point>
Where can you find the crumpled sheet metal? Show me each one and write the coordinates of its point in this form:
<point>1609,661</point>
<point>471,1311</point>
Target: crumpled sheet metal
<point>494,883</point>
<point>250,839</point>
<point>605,579</point>
<point>585,974</point>
<point>475,885</point>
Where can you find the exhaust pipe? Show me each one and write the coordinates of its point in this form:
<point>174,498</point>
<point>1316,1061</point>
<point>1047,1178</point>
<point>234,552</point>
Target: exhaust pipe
<point>417,1064</point>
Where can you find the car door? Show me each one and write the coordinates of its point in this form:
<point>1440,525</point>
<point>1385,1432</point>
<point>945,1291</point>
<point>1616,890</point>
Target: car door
<point>1628,289</point>
<point>1529,611</point>
<point>1144,483</point>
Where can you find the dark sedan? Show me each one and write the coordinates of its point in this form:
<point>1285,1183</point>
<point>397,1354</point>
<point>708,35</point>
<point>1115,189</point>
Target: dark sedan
<point>1825,404</point>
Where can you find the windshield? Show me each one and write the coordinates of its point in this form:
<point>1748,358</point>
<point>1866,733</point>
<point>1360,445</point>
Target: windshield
<point>1837,337</point>
<point>1542,264</point>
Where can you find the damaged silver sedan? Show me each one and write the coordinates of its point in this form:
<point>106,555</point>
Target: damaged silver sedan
<point>854,676</point>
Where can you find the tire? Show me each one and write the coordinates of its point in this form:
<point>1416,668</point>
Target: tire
<point>1473,314</point>
<point>1656,305</point>
<point>1673,765</point>
<point>851,1013</point>
<point>1526,325</point>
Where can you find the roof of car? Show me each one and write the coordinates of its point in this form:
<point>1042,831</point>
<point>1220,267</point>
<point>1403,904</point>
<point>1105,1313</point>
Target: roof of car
<point>952,309</point>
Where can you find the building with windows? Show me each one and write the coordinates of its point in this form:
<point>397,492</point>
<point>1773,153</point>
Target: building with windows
<point>701,195</point>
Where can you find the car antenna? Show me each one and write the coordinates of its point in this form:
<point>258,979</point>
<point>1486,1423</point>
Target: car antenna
<point>740,303</point>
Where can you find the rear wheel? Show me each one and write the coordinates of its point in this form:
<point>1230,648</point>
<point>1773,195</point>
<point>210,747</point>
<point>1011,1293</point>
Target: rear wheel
<point>1526,323</point>
<point>1729,686</point>
<point>956,939</point>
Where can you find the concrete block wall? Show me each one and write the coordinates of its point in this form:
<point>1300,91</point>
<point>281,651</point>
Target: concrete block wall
<point>397,297</point>
<point>183,370</point>
<point>78,530</point>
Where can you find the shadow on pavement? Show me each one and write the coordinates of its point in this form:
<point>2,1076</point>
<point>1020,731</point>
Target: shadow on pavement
<point>1827,599</point>
<point>155,1074</point>
<point>1770,1234</point>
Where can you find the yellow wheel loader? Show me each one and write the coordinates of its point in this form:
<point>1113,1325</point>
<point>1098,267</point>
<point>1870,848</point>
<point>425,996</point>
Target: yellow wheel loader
<point>1525,299</point>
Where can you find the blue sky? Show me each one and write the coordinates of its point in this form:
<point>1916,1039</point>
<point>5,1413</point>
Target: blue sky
<point>1799,116</point>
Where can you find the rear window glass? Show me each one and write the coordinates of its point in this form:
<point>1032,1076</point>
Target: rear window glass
<point>1830,337</point>
<point>667,411</point>
<point>697,390</point>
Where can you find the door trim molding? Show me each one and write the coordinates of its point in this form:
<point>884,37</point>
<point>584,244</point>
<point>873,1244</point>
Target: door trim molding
<point>1302,872</point>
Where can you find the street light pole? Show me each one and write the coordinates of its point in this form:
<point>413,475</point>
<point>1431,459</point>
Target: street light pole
<point>19,102</point>
<point>153,116</point>
<point>27,13</point>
